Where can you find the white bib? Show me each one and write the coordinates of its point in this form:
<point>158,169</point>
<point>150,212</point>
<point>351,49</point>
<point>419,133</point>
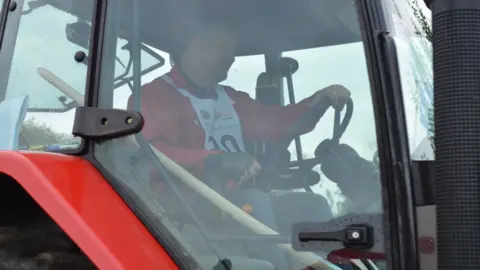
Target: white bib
<point>218,118</point>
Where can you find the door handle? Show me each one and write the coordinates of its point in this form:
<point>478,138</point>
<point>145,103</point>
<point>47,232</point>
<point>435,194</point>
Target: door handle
<point>355,236</point>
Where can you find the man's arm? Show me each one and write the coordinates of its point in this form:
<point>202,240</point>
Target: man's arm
<point>160,110</point>
<point>270,122</point>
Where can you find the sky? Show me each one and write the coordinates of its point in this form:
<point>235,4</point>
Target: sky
<point>41,43</point>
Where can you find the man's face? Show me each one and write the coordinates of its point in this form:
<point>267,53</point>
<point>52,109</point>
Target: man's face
<point>215,50</point>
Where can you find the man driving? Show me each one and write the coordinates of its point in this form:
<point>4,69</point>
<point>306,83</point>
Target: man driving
<point>203,126</point>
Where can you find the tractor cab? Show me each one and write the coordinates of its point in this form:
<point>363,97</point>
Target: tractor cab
<point>105,80</point>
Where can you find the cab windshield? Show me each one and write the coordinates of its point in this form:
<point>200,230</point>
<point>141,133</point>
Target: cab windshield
<point>241,142</point>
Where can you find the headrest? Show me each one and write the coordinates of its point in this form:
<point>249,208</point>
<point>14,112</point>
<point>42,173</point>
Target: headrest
<point>264,81</point>
<point>287,66</point>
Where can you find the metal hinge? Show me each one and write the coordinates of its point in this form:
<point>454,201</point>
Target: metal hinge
<point>103,124</point>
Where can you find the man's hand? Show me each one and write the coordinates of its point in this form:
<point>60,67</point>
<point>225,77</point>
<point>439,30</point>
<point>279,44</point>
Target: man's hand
<point>336,94</point>
<point>239,165</point>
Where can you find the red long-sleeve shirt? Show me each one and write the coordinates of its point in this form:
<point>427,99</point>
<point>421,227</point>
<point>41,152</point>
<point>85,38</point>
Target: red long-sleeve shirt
<point>170,120</point>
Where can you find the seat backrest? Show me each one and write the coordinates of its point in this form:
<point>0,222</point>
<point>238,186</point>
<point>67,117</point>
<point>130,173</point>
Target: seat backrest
<point>12,114</point>
<point>266,87</point>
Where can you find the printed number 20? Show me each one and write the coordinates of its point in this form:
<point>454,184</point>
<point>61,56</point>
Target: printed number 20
<point>227,141</point>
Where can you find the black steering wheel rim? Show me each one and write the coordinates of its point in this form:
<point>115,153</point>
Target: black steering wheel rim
<point>271,169</point>
<point>340,126</point>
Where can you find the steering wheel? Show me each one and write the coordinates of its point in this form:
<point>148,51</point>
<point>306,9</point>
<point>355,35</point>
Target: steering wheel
<point>340,126</point>
<point>343,165</point>
<point>274,172</point>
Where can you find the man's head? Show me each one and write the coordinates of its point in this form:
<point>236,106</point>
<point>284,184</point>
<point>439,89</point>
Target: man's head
<point>209,50</point>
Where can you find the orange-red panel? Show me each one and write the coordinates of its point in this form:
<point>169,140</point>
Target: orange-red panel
<point>73,192</point>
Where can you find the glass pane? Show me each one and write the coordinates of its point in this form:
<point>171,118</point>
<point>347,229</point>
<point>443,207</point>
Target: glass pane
<point>42,48</point>
<point>123,66</point>
<point>413,34</point>
<point>326,66</point>
<point>222,161</point>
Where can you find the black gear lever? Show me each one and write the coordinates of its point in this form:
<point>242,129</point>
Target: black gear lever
<point>287,67</point>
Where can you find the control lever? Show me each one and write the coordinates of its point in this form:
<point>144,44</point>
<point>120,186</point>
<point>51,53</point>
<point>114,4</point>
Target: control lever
<point>287,67</point>
<point>354,236</point>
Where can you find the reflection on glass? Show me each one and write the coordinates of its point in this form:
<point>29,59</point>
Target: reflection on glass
<point>42,49</point>
<point>224,171</point>
<point>330,69</point>
<point>413,34</point>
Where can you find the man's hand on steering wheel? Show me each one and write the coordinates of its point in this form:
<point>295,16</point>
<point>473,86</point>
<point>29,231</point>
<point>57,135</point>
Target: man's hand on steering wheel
<point>239,166</point>
<point>336,94</point>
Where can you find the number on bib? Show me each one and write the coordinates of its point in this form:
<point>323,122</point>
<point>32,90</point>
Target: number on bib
<point>227,143</point>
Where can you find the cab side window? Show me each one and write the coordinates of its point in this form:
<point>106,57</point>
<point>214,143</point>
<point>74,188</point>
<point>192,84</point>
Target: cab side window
<point>319,68</point>
<point>415,57</point>
<point>413,37</point>
<point>42,47</point>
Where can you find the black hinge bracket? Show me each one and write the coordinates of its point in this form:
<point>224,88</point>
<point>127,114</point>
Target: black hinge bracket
<point>354,236</point>
<point>103,124</point>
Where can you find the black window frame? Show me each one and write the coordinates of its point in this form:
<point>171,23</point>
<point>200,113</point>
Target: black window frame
<point>395,165</point>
